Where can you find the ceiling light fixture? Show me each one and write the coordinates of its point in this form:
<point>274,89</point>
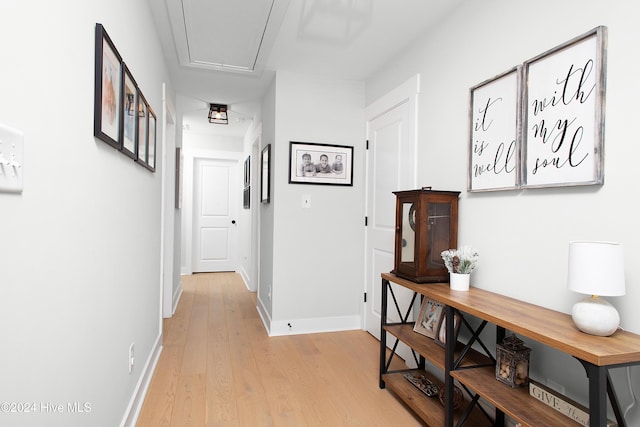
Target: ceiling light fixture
<point>218,114</point>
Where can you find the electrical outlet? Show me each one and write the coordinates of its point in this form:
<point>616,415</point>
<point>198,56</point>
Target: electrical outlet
<point>132,358</point>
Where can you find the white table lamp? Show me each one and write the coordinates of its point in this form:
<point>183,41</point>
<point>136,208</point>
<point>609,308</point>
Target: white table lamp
<point>596,269</point>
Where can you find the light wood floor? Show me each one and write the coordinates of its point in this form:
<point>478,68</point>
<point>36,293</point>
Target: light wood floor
<point>218,367</point>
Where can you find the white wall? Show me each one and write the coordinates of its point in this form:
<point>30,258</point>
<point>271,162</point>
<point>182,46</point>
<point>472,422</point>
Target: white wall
<point>265,285</point>
<point>248,218</point>
<point>523,235</point>
<point>317,252</point>
<point>80,252</point>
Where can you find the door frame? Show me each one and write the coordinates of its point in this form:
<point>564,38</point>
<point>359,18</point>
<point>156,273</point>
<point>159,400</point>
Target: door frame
<point>406,92</point>
<point>254,280</point>
<point>187,197</point>
<point>168,299</point>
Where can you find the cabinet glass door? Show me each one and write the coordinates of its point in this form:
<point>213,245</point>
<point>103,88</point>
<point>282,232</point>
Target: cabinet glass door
<point>439,226</point>
<point>408,233</point>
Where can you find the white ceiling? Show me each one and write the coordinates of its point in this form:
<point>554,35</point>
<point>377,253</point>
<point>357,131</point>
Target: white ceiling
<point>226,51</point>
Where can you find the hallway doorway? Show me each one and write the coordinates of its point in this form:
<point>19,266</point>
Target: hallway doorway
<point>210,208</point>
<point>214,215</point>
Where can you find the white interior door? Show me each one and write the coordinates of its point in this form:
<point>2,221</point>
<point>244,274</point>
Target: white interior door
<point>390,167</point>
<point>214,215</point>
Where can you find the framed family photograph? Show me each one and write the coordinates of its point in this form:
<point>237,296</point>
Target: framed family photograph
<point>324,164</point>
<point>429,318</point>
<point>108,83</point>
<point>441,336</point>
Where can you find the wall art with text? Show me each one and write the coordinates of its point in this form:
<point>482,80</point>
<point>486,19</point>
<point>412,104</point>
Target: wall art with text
<point>541,124</point>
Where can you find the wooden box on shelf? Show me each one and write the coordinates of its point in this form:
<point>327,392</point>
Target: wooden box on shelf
<point>512,362</point>
<point>426,225</point>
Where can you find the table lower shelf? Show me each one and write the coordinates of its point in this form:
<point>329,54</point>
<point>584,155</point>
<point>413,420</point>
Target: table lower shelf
<point>427,408</point>
<point>515,402</point>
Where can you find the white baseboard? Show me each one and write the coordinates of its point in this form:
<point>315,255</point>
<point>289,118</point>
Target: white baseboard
<point>315,325</point>
<point>264,315</point>
<point>307,326</point>
<point>137,399</point>
<point>245,278</point>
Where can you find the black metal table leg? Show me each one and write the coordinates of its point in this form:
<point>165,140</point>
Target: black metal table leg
<point>383,333</point>
<point>597,394</point>
<point>450,346</point>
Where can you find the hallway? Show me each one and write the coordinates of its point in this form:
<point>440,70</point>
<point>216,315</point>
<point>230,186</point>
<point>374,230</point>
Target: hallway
<point>218,367</point>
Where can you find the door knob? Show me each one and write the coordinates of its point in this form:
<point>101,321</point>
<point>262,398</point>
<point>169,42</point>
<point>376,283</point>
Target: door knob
<point>233,221</point>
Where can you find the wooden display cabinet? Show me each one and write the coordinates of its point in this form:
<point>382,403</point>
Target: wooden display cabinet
<point>426,225</point>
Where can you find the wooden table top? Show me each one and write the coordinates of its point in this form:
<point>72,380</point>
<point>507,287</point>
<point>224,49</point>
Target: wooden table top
<point>549,327</point>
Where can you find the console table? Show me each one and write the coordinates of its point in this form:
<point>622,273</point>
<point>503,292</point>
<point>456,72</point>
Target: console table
<point>475,370</point>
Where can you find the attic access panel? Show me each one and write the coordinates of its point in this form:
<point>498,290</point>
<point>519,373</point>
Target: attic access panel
<point>229,36</point>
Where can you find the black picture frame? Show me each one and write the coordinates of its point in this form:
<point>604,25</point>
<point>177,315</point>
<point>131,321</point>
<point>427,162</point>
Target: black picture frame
<point>107,87</point>
<point>142,131</point>
<point>151,139</point>
<point>129,106</point>
<point>321,164</point>
<point>246,188</point>
<point>265,173</point>
<point>247,172</point>
<point>246,198</point>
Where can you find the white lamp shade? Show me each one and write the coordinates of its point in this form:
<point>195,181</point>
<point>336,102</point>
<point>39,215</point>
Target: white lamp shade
<point>596,268</point>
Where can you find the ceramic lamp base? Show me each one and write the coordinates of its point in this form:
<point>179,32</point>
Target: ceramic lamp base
<point>595,316</point>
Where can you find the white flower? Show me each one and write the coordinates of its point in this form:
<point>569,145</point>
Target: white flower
<point>462,260</point>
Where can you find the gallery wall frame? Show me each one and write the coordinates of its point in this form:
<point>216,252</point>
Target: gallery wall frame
<point>142,130</point>
<point>129,106</point>
<point>323,164</point>
<point>563,113</point>
<point>265,173</point>
<point>246,188</point>
<point>247,171</point>
<point>107,87</point>
<point>122,116</point>
<point>246,198</point>
<point>151,139</point>
<point>494,146</point>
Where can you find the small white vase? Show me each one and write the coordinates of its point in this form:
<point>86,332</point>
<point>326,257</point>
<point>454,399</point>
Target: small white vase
<point>459,282</point>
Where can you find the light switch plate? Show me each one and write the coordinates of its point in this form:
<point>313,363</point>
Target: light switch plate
<point>11,160</point>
